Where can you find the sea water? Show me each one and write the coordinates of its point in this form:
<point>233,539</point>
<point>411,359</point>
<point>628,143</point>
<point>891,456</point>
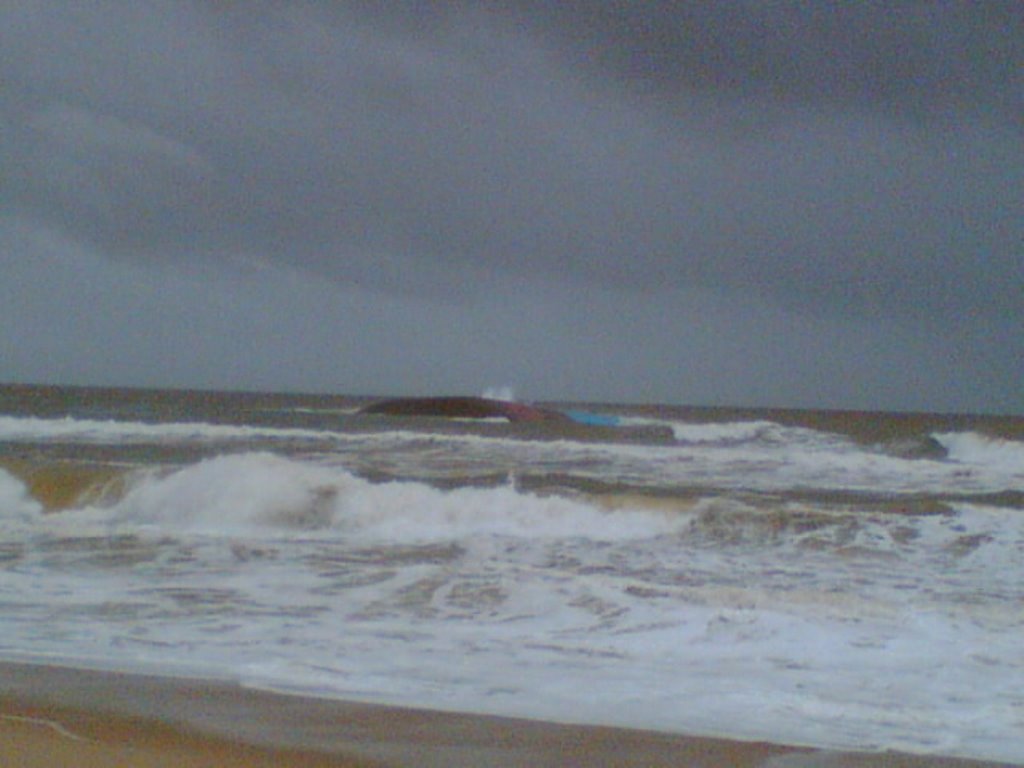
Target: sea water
<point>851,581</point>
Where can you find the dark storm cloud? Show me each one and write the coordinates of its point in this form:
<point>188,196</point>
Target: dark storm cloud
<point>867,155</point>
<point>907,58</point>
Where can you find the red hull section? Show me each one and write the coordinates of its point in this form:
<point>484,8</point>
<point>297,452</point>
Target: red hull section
<point>463,408</point>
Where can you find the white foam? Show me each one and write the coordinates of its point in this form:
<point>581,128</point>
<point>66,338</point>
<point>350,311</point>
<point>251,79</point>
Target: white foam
<point>756,455</point>
<point>993,453</point>
<point>31,429</point>
<point>729,432</point>
<point>226,494</point>
<point>746,455</point>
<point>16,505</point>
<point>266,494</point>
<point>413,512</point>
<point>542,631</point>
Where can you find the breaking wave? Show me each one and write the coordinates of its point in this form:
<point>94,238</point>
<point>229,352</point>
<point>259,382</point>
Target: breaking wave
<point>16,503</point>
<point>30,428</point>
<point>991,452</point>
<point>255,494</point>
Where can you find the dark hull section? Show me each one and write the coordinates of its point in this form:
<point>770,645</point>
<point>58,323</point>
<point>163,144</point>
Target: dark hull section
<point>464,408</point>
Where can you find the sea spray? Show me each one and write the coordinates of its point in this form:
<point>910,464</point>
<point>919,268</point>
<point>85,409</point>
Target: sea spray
<point>503,392</point>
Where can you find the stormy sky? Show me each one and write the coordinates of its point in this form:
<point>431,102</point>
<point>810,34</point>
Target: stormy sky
<point>807,204</point>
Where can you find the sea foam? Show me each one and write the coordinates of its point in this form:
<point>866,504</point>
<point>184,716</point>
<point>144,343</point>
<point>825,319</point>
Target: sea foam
<point>16,504</point>
<point>30,428</point>
<point>755,455</point>
<point>266,494</point>
<point>992,452</point>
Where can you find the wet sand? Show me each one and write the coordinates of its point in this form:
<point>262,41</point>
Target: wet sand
<point>54,717</point>
<point>53,737</point>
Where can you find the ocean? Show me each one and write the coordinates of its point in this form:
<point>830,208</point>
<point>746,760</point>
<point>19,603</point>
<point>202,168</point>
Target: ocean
<point>835,579</point>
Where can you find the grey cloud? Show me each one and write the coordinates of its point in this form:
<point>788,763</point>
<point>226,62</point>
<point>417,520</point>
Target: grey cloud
<point>913,58</point>
<point>819,154</point>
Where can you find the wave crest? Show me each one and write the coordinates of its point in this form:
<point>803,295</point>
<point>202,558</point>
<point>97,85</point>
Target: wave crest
<point>979,449</point>
<point>265,494</point>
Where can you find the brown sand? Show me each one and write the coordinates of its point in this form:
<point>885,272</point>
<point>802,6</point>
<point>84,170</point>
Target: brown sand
<point>49,737</point>
<point>52,717</point>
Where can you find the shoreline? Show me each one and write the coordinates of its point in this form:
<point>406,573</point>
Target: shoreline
<point>57,716</point>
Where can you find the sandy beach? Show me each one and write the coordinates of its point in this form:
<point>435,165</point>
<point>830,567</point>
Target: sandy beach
<point>55,717</point>
<point>55,737</point>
